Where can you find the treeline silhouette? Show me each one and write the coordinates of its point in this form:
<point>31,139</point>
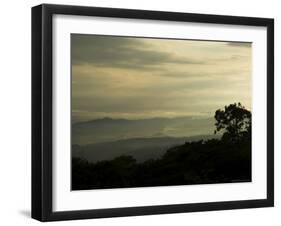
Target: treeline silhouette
<point>202,162</point>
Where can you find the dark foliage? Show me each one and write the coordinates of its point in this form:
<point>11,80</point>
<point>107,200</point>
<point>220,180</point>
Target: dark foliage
<point>201,162</point>
<point>235,121</point>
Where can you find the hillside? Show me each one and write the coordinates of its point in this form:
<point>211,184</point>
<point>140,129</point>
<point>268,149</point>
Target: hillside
<point>141,149</point>
<point>197,162</point>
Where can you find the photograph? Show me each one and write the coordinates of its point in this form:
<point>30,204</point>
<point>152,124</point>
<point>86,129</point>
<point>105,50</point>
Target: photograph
<point>142,112</point>
<point>155,111</point>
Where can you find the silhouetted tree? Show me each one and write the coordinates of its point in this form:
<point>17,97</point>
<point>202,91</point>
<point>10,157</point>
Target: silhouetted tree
<point>235,120</point>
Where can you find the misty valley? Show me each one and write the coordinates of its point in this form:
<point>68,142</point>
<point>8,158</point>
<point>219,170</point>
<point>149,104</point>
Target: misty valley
<point>107,138</point>
<point>116,153</point>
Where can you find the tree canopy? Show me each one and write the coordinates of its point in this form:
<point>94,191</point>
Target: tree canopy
<point>235,120</point>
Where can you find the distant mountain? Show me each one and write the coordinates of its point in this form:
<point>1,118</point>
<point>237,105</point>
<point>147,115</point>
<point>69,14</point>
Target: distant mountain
<point>140,148</point>
<point>108,129</point>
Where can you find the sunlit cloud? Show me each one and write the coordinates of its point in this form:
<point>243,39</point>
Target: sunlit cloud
<point>142,78</point>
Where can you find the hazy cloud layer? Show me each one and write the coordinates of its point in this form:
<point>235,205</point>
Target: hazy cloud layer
<point>142,78</point>
<point>240,44</point>
<point>132,53</point>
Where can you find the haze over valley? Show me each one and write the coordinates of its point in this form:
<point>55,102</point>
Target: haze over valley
<point>107,138</point>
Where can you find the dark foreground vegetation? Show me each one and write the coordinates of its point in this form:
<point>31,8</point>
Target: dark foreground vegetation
<point>200,162</point>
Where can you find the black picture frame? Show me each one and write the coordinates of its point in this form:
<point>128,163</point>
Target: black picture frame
<point>42,107</point>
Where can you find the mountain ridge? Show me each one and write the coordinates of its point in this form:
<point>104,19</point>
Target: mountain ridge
<point>109,129</point>
<point>140,148</point>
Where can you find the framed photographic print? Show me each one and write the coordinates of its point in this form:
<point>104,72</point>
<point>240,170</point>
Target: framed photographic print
<point>145,112</point>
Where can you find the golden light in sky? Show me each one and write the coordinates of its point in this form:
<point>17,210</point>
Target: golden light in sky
<point>133,78</point>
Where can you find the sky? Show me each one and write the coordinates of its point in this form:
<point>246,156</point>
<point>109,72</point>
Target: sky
<point>136,78</point>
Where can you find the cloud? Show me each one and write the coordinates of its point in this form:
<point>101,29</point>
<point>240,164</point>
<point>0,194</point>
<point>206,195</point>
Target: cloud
<point>130,53</point>
<point>204,76</point>
<point>142,78</point>
<point>240,44</point>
